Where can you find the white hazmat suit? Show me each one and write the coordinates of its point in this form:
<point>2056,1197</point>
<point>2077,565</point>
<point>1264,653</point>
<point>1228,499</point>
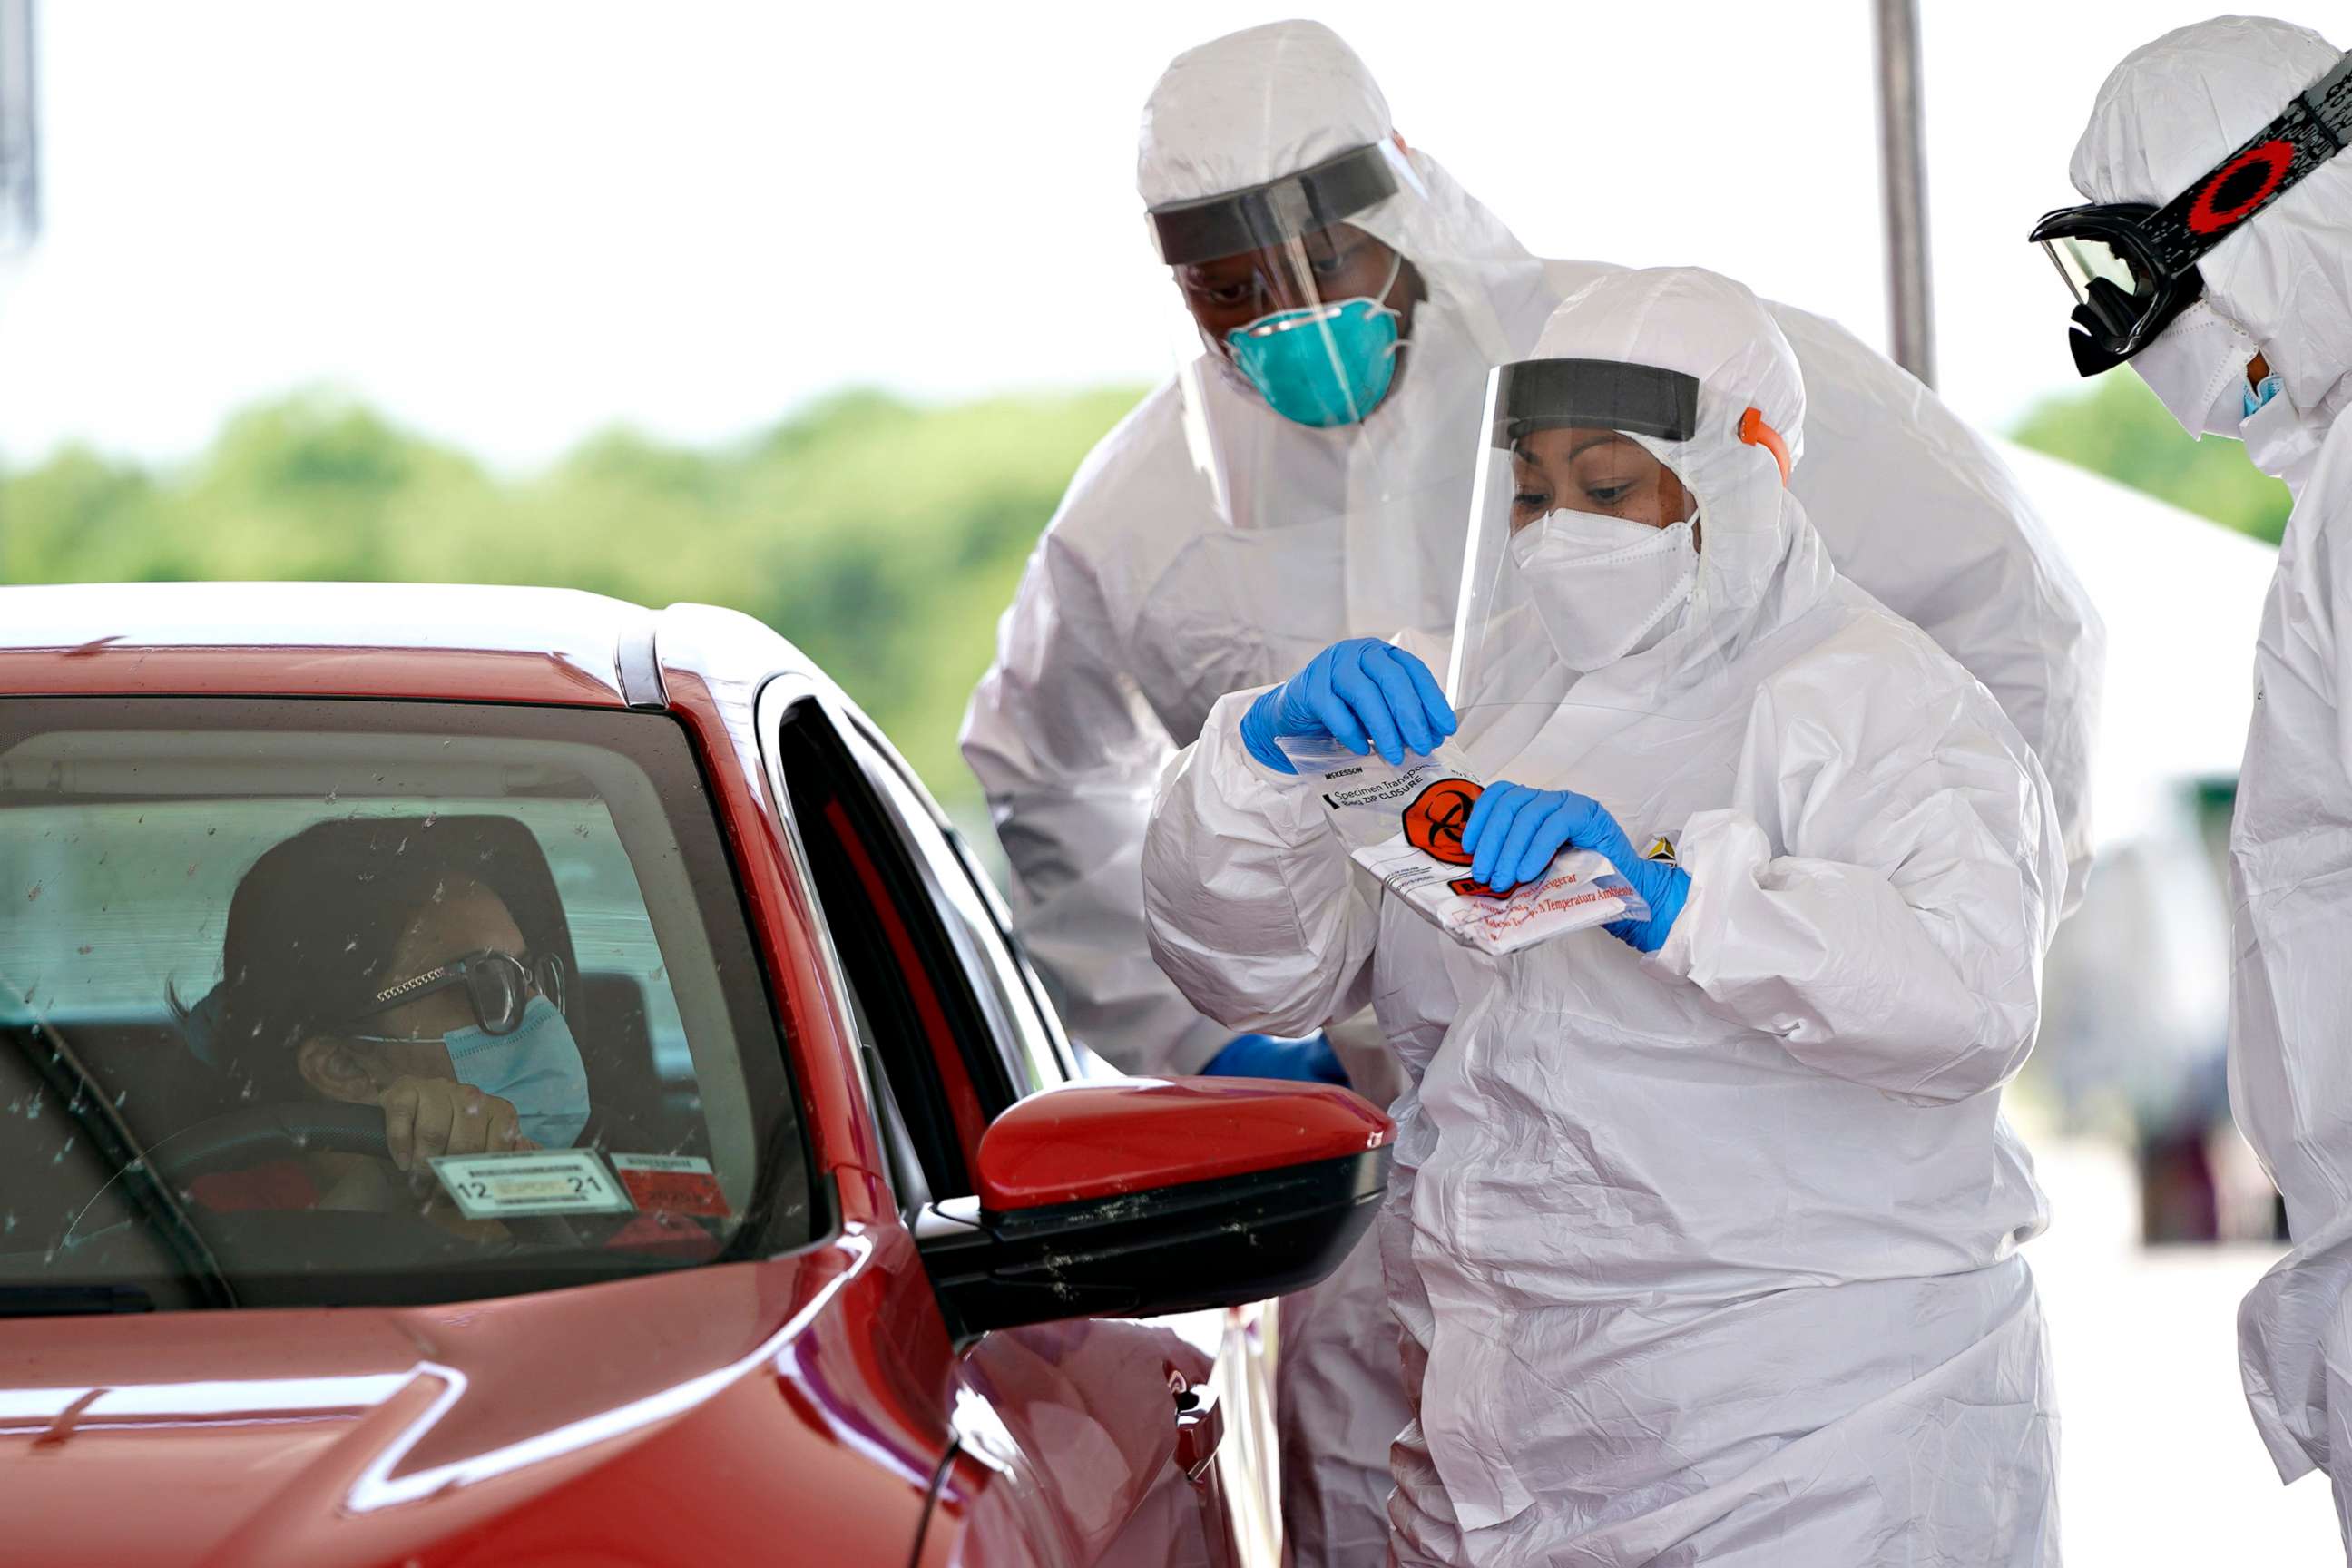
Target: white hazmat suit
<point>2169,113</point>
<point>1208,544</point>
<point>1708,1257</point>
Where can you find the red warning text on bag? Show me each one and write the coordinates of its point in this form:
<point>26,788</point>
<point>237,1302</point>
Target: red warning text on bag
<point>1434,821</point>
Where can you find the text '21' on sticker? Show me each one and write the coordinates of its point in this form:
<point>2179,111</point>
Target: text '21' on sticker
<point>530,1182</point>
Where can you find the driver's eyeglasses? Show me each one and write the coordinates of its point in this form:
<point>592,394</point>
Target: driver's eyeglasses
<point>498,986</point>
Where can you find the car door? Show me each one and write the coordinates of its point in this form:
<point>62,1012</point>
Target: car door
<point>1127,1442</point>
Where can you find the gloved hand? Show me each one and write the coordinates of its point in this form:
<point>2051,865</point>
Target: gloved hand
<point>1513,831</point>
<point>1310,1060</point>
<point>1362,693</point>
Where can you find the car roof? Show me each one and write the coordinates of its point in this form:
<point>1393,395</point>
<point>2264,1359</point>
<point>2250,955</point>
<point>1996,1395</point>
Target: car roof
<point>425,641</point>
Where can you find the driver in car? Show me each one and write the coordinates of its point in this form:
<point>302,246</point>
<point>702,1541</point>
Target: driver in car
<point>373,962</point>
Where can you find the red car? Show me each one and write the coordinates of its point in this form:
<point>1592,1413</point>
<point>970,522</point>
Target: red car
<point>508,1077</point>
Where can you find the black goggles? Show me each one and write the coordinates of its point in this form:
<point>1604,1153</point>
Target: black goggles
<point>498,986</point>
<point>2132,267</point>
<point>1599,393</point>
<point>1261,217</point>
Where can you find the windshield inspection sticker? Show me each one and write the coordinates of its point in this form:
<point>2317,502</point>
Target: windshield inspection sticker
<point>530,1182</point>
<point>671,1183</point>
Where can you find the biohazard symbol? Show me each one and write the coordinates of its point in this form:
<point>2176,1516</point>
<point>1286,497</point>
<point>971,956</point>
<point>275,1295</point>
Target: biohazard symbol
<point>1434,821</point>
<point>1471,888</point>
<point>1664,850</point>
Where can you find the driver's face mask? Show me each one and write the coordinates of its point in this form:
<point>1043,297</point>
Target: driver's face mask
<point>536,1067</point>
<point>200,1026</point>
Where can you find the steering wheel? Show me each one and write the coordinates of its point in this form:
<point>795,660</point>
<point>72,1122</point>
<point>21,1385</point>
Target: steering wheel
<point>245,1137</point>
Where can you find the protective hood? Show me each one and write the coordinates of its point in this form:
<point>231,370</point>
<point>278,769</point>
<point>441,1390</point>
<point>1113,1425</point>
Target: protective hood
<point>2173,110</point>
<point>1710,328</point>
<point>1266,104</point>
<point>1760,562</point>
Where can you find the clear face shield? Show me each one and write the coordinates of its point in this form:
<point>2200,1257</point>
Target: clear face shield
<point>1583,546</point>
<point>1305,308</point>
<point>1330,356</point>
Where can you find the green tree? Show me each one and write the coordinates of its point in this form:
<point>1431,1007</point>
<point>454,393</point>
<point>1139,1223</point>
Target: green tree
<point>882,537</point>
<point>2119,429</point>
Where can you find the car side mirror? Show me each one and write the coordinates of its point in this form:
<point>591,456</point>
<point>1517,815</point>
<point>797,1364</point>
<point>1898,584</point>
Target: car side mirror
<point>1156,1196</point>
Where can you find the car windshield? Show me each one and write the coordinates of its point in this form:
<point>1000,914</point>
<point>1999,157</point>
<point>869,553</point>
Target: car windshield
<point>343,1003</point>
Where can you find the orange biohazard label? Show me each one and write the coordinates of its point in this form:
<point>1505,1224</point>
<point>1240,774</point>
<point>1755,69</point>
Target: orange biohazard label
<point>1434,821</point>
<point>1471,888</point>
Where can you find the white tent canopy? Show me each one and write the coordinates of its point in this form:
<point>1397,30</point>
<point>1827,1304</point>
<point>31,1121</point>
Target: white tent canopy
<point>2182,599</point>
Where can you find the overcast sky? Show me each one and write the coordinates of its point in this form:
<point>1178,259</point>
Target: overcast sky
<point>511,224</point>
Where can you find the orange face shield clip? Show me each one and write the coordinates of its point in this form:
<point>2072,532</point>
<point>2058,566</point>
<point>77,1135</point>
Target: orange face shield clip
<point>1754,432</point>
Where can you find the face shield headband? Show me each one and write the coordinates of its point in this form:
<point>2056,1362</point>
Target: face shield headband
<point>1260,218</point>
<point>2132,267</point>
<point>1611,395</point>
<point>1594,544</point>
<point>1604,394</point>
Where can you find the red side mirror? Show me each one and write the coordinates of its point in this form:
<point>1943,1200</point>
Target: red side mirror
<point>1101,1140</point>
<point>1156,1196</point>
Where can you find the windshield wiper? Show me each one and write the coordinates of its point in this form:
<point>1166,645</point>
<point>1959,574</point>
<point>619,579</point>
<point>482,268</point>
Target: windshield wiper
<point>65,1300</point>
<point>85,1100</point>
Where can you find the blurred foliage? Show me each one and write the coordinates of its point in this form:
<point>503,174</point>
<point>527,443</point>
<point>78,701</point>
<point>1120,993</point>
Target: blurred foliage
<point>2119,429</point>
<point>884,539</point>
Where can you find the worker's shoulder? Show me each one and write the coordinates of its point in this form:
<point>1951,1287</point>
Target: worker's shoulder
<point>1868,656</point>
<point>1139,470</point>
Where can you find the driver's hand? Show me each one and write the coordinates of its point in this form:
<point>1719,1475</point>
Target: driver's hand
<point>427,1116</point>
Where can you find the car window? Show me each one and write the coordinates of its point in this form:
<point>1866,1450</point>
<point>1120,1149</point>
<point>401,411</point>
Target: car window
<point>1021,1033</point>
<point>928,977</point>
<point>235,932</point>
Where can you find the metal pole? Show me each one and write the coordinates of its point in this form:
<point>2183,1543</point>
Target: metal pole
<point>1903,172</point>
<point>20,153</point>
<point>20,163</point>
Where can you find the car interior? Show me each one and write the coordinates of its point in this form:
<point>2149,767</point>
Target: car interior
<point>124,848</point>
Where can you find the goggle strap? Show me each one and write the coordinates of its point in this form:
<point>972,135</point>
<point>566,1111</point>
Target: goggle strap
<point>2313,129</point>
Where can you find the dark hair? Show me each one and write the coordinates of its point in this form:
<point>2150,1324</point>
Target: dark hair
<point>314,923</point>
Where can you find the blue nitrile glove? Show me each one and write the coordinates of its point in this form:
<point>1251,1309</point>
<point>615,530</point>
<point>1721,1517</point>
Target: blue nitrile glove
<point>1310,1060</point>
<point>1513,831</point>
<point>1363,693</point>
